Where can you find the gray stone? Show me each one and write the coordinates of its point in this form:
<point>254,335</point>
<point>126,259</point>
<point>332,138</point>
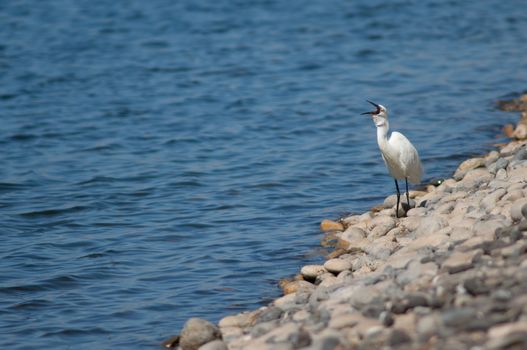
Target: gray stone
<point>517,208</point>
<point>398,337</point>
<point>329,342</point>
<point>521,154</point>
<point>475,286</point>
<point>214,345</point>
<point>501,163</point>
<point>381,248</point>
<point>459,318</point>
<point>263,328</point>
<point>197,332</point>
<point>269,314</point>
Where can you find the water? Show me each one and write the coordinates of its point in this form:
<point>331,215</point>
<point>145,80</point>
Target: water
<point>162,160</point>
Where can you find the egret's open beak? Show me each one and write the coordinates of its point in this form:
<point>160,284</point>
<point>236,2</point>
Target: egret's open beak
<point>377,111</point>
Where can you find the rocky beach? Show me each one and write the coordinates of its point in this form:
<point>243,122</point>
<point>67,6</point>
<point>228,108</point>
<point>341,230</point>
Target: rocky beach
<point>450,274</point>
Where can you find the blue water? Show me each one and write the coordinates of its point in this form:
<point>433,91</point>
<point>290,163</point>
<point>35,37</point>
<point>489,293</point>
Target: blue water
<point>162,160</point>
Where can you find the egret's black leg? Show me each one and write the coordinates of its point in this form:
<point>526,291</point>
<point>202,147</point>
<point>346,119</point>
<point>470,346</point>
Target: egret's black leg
<point>398,198</point>
<point>407,194</point>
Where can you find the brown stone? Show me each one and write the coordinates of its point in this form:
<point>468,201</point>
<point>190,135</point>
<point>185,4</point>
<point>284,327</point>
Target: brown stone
<point>295,286</point>
<point>508,130</point>
<point>330,225</point>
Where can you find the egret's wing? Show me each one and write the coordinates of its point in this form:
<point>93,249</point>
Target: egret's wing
<point>408,156</point>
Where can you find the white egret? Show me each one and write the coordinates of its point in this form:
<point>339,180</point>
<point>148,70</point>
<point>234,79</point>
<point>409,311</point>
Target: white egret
<point>399,155</point>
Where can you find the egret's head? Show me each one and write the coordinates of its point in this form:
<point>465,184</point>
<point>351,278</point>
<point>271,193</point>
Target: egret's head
<point>379,115</point>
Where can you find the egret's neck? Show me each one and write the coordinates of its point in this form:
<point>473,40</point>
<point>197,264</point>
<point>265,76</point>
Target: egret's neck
<point>382,133</point>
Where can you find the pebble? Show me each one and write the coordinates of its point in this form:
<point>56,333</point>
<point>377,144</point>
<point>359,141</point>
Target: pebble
<point>337,265</point>
<point>329,225</point>
<point>467,165</point>
<point>521,154</point>
<point>517,208</point>
<point>501,174</point>
<point>460,261</point>
<point>430,225</point>
<point>353,235</point>
<point>501,163</point>
<point>520,132</point>
<point>380,225</point>
<point>239,320</point>
<point>197,332</point>
<point>311,272</point>
<point>295,286</point>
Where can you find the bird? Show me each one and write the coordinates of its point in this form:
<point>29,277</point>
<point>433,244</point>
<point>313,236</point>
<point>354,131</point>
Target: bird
<point>399,155</point>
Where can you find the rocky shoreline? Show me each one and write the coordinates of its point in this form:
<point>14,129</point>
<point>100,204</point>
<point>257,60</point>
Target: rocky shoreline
<point>451,274</point>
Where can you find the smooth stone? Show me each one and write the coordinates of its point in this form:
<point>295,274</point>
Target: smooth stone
<point>475,286</point>
<point>380,225</point>
<point>430,225</point>
<point>286,302</point>
<point>467,165</point>
<point>269,313</point>
<point>517,208</point>
<point>386,318</point>
<point>513,195</point>
<point>330,225</point>
<point>489,202</point>
<point>381,248</point>
<point>337,265</point>
<point>364,295</point>
<point>263,328</point>
<point>311,272</point>
<point>460,234</point>
<point>416,269</point>
<point>214,345</point>
<point>353,234</point>
<point>459,318</point>
<point>461,261</point>
<point>520,132</point>
<point>501,174</point>
<point>240,320</point>
<point>398,337</point>
<point>197,332</point>
<point>390,201</point>
<point>517,175</point>
<point>411,223</point>
<point>502,330</point>
<point>295,286</point>
<point>230,334</point>
<point>428,326</point>
<point>476,177</point>
<point>326,342</point>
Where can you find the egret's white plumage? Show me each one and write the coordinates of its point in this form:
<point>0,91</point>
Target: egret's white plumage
<point>400,156</point>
